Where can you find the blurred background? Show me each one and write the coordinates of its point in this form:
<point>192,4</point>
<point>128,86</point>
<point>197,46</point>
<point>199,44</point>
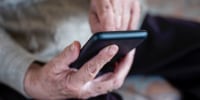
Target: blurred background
<point>65,17</point>
<point>184,9</point>
<point>180,9</point>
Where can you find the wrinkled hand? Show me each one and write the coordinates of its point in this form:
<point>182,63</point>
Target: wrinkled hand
<point>56,80</point>
<point>114,15</point>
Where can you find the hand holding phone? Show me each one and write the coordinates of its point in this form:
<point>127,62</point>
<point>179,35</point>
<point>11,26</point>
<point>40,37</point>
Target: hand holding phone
<point>126,40</point>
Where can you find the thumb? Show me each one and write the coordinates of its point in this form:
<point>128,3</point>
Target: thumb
<point>70,53</point>
<point>68,56</point>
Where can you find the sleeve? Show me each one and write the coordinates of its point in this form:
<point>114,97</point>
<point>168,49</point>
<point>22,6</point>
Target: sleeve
<point>14,62</point>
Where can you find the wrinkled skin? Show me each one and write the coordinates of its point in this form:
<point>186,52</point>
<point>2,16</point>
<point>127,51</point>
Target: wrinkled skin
<point>55,80</point>
<point>114,15</point>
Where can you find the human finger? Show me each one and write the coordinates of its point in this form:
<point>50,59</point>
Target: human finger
<point>94,22</point>
<point>135,15</point>
<point>117,10</point>
<point>124,66</point>
<point>126,12</point>
<point>64,59</point>
<point>96,88</point>
<point>101,6</point>
<point>90,69</point>
<point>105,14</point>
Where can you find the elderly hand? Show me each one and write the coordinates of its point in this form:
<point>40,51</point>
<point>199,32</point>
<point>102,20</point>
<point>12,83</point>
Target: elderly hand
<point>56,80</point>
<point>114,15</point>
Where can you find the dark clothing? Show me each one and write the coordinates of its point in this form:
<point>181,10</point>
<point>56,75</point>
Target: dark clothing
<point>172,50</point>
<point>6,93</point>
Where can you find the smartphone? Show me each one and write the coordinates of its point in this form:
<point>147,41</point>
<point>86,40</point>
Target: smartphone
<point>126,41</point>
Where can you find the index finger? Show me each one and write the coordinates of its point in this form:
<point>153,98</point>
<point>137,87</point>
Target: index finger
<point>105,14</point>
<point>89,70</point>
<point>102,5</point>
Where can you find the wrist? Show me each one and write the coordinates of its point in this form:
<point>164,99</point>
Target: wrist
<point>31,78</point>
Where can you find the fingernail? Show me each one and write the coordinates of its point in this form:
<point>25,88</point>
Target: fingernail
<point>132,52</point>
<point>112,49</point>
<point>72,46</point>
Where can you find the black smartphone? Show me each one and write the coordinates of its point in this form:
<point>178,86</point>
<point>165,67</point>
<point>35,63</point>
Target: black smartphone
<point>126,40</point>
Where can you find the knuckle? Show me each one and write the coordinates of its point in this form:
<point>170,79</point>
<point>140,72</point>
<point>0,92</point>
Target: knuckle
<point>102,58</point>
<point>106,15</point>
<point>54,67</point>
<point>99,88</point>
<point>91,69</point>
<point>106,7</point>
<point>117,83</point>
<point>106,53</point>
